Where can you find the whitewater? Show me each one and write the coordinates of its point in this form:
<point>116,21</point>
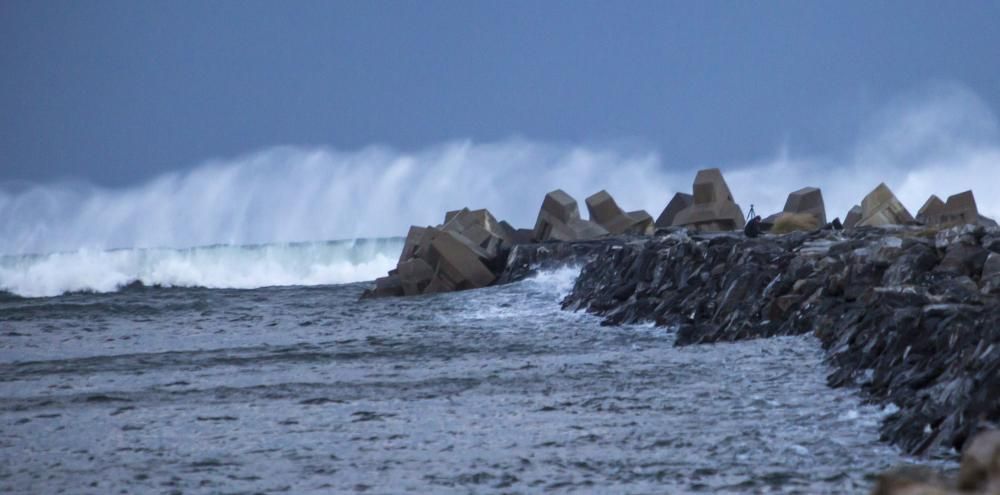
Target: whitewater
<point>219,267</point>
<point>267,217</point>
<point>202,331</point>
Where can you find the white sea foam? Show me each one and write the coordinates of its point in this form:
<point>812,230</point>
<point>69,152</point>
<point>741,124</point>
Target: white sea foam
<point>942,139</point>
<point>241,267</point>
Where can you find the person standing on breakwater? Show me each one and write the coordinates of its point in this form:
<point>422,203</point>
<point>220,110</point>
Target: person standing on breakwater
<point>752,228</point>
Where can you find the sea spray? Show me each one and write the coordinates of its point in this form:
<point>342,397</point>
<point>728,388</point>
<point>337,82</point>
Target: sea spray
<point>240,267</point>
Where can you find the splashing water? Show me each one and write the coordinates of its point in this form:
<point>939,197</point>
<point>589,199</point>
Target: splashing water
<point>240,267</point>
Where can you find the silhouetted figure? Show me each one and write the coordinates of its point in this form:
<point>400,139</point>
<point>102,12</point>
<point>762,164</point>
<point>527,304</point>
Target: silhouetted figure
<point>753,227</point>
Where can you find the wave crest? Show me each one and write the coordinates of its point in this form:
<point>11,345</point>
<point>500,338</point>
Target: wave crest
<point>235,267</point>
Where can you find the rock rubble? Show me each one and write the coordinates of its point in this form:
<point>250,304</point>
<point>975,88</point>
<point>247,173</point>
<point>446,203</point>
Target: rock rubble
<point>908,314</point>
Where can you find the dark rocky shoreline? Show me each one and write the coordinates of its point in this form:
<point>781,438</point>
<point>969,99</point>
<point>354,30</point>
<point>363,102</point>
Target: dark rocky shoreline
<point>911,316</point>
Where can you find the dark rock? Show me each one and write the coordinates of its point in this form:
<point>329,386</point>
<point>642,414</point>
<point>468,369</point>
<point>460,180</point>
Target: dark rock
<point>963,259</point>
<point>893,321</point>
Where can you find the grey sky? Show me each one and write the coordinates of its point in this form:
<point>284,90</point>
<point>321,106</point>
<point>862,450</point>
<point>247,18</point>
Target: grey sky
<point>117,92</point>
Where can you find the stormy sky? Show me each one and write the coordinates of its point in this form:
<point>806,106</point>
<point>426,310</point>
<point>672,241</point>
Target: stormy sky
<point>118,93</point>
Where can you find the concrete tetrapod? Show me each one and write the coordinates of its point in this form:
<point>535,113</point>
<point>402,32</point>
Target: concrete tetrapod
<point>559,220</point>
<point>605,212</point>
<point>713,207</point>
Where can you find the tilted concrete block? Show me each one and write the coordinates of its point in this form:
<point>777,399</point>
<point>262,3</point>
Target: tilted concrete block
<point>931,210</point>
<point>960,209</point>
<point>412,242</point>
<point>713,207</point>
<point>642,222</point>
<point>605,212</point>
<point>853,217</point>
<point>388,286</point>
<point>414,275</point>
<point>454,260</point>
<point>559,220</point>
<point>880,207</point>
<point>807,200</point>
<point>676,204</point>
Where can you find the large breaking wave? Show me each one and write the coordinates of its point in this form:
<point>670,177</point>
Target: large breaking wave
<point>942,139</point>
<point>240,267</point>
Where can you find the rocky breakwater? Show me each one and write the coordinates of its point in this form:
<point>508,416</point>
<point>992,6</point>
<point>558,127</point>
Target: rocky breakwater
<point>910,315</point>
<point>471,249</point>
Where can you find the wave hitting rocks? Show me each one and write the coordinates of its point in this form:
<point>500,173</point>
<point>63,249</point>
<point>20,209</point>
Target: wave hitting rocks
<point>910,315</point>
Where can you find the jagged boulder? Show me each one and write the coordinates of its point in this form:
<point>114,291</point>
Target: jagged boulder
<point>880,207</point>
<point>712,208</point>
<point>960,209</point>
<point>676,204</point>
<point>990,280</point>
<point>853,217</point>
<point>605,212</point>
<point>559,220</point>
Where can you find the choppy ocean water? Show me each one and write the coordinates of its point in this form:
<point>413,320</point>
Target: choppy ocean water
<point>305,389</point>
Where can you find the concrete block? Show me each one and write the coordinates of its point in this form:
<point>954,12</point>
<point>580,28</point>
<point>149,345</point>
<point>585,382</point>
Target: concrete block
<point>807,200</point>
<point>414,275</point>
<point>931,210</point>
<point>713,207</point>
<point>853,217</point>
<point>676,204</point>
<point>559,220</point>
<point>605,212</point>
<point>880,207</point>
<point>454,260</point>
<point>412,242</point>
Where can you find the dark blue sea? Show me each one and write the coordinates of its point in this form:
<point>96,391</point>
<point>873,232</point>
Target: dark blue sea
<point>170,386</point>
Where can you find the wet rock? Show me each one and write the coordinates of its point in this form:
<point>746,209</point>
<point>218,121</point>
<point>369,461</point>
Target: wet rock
<point>963,259</point>
<point>713,207</point>
<point>990,280</point>
<point>415,275</point>
<point>897,316</point>
<point>679,202</point>
<point>880,207</point>
<point>388,286</point>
